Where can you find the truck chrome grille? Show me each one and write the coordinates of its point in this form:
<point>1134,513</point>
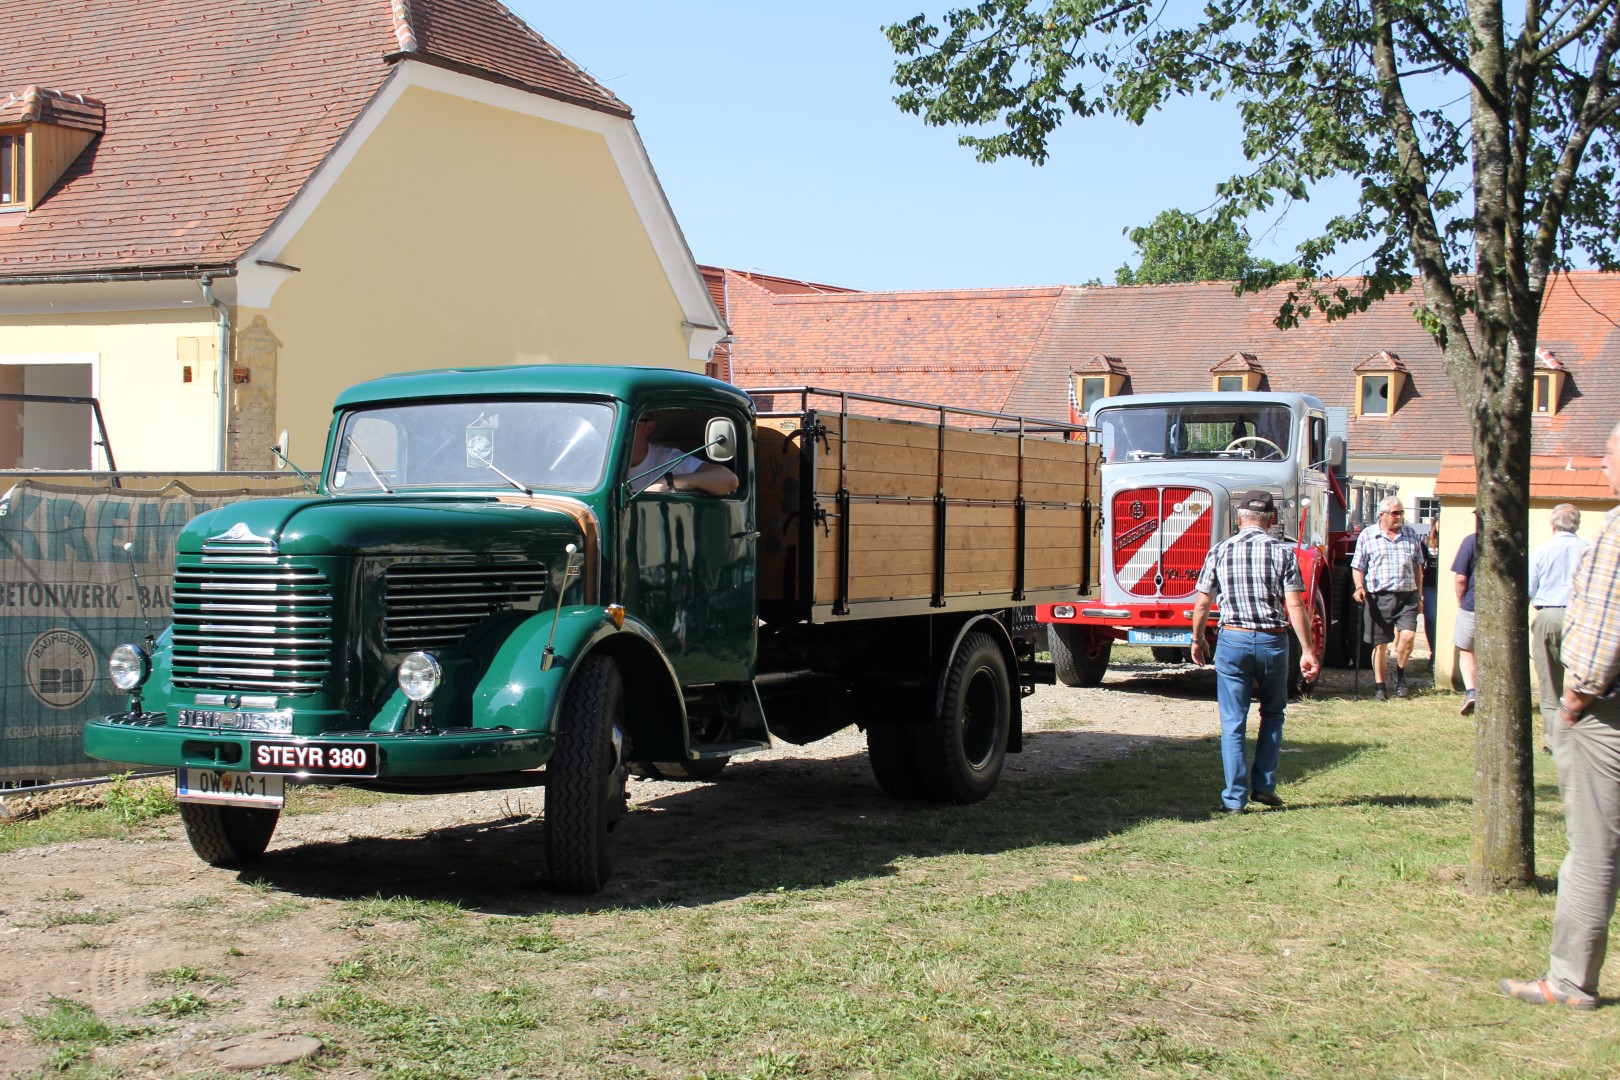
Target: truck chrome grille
<point>251,625</point>
<point>433,605</point>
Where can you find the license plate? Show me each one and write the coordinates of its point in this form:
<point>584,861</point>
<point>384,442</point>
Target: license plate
<point>306,758</point>
<point>228,788</point>
<point>1161,637</point>
<point>275,723</point>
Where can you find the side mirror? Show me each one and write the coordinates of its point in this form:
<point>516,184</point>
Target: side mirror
<point>1335,451</point>
<point>720,439</point>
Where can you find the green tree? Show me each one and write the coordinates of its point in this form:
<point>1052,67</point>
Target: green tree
<point>1485,149</point>
<point>1179,247</point>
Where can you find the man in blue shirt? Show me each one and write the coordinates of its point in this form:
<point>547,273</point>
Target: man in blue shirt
<point>1551,565</point>
<point>1462,634</point>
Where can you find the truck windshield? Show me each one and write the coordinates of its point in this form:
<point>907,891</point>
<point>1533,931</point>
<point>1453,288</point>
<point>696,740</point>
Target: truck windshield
<point>551,445</point>
<point>1214,430</point>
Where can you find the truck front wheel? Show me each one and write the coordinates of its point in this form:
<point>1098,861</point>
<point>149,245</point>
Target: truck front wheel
<point>585,780</point>
<point>1079,654</point>
<point>961,751</point>
<point>892,753</point>
<point>228,836</point>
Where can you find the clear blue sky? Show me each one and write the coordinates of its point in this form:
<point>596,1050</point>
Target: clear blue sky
<point>774,132</point>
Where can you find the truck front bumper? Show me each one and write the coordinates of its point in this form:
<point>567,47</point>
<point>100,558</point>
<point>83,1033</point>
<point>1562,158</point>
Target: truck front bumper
<point>145,739</point>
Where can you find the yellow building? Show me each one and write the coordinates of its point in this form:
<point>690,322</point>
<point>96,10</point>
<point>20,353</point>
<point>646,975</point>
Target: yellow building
<point>324,192</point>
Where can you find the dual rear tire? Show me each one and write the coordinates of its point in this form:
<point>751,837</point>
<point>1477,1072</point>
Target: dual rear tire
<point>958,754</point>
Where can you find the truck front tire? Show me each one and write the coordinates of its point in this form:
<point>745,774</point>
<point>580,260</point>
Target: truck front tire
<point>1080,655</point>
<point>228,836</point>
<point>585,780</point>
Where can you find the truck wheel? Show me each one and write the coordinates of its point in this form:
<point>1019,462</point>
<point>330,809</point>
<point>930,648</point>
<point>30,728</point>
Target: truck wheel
<point>585,779</point>
<point>1297,684</point>
<point>893,756</point>
<point>1172,654</point>
<point>228,836</point>
<point>961,751</point>
<point>1080,654</point>
<point>1335,649</point>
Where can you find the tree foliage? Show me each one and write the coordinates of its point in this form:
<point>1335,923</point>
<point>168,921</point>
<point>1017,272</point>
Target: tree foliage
<point>1485,149</point>
<point>1177,246</point>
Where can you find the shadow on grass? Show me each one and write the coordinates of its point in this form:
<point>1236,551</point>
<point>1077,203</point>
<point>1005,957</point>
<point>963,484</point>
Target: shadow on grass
<point>800,823</point>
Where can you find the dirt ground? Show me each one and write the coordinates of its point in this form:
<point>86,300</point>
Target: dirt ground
<point>96,921</point>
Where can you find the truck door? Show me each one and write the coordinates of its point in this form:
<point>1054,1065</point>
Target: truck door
<point>691,555</point>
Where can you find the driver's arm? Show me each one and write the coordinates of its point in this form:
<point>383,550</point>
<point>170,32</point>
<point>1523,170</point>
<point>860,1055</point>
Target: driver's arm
<point>710,478</point>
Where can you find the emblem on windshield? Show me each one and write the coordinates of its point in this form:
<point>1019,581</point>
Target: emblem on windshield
<point>481,442</point>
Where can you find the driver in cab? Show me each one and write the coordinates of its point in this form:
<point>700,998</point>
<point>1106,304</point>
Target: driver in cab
<point>691,473</point>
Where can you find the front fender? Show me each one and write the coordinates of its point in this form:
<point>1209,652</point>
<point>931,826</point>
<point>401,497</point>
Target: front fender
<point>516,691</point>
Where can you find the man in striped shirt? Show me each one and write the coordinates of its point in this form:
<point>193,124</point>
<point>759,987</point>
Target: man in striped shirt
<point>1587,751</point>
<point>1257,579</point>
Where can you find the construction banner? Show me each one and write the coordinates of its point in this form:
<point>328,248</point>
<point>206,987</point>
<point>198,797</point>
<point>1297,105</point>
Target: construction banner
<point>83,569</point>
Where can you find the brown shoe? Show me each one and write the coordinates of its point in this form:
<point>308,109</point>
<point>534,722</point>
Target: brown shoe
<point>1539,993</point>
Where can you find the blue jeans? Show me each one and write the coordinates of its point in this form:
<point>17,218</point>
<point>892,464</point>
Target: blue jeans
<point>1241,659</point>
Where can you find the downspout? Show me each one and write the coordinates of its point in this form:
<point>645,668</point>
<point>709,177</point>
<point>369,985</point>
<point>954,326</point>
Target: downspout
<point>221,460</point>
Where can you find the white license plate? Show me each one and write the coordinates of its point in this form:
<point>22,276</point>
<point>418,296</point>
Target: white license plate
<point>229,788</point>
<point>1161,637</point>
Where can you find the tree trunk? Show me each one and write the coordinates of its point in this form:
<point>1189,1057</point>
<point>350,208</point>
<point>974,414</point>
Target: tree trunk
<point>1503,853</point>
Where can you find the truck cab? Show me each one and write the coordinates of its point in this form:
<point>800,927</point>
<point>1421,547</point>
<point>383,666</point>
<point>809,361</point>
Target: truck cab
<point>1173,468</point>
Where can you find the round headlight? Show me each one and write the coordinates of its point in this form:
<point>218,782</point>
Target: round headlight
<point>128,667</point>
<point>419,675</point>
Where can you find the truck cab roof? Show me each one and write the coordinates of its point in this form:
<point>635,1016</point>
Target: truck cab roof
<point>616,381</point>
<point>1223,397</point>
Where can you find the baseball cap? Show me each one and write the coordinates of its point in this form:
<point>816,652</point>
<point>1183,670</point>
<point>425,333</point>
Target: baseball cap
<point>1257,501</point>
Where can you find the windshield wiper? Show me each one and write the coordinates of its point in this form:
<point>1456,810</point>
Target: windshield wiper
<point>502,474</point>
<point>375,475</point>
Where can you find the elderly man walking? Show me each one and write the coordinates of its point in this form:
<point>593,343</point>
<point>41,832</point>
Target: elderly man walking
<point>1388,570</point>
<point>1258,581</point>
<point>1587,750</point>
<point>1551,565</point>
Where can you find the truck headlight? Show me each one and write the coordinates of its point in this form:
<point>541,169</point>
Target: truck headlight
<point>1062,611</point>
<point>128,667</point>
<point>419,675</point>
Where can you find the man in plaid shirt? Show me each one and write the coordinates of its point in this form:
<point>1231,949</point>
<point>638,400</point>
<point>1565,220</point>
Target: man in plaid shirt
<point>1258,581</point>
<point>1388,570</point>
<point>1587,751</point>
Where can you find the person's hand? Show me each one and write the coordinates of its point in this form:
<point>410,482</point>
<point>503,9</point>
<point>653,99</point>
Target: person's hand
<point>1360,595</point>
<point>1309,666</point>
<point>1200,651</point>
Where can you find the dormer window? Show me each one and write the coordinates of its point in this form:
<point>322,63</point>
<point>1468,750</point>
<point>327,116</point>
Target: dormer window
<point>1240,371</point>
<point>1379,381</point>
<point>1101,376</point>
<point>1373,394</point>
<point>12,188</point>
<point>1548,384</point>
<point>42,132</point>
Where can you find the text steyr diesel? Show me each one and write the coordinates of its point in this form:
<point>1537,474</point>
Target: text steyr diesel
<point>507,570</point>
<point>1174,467</point>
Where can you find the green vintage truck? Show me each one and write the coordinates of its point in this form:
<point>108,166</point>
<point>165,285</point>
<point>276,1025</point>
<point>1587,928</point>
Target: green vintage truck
<point>601,572</point>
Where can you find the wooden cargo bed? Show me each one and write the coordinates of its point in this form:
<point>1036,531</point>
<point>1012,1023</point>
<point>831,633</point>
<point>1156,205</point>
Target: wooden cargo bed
<point>866,516</point>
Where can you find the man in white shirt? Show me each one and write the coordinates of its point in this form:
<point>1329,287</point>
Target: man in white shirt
<point>1551,565</point>
<point>692,473</point>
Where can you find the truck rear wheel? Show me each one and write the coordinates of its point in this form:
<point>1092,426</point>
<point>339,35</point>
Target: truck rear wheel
<point>228,836</point>
<point>1079,654</point>
<point>585,780</point>
<point>961,751</point>
<point>893,756</point>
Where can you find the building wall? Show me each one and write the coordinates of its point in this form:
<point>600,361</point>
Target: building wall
<point>1456,522</point>
<point>465,234</point>
<point>154,418</point>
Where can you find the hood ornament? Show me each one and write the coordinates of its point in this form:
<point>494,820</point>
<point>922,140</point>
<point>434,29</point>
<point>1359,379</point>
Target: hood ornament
<point>240,536</point>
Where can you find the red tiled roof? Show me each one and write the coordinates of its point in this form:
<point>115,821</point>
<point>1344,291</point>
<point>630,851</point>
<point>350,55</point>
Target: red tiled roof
<point>1570,477</point>
<point>217,114</point>
<point>965,349</point>
<point>1012,350</point>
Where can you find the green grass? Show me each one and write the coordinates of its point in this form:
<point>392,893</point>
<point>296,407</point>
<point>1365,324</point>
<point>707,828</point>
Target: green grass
<point>73,1030</point>
<point>1099,924</point>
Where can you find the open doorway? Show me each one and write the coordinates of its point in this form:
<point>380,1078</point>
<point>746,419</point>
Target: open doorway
<point>46,434</point>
